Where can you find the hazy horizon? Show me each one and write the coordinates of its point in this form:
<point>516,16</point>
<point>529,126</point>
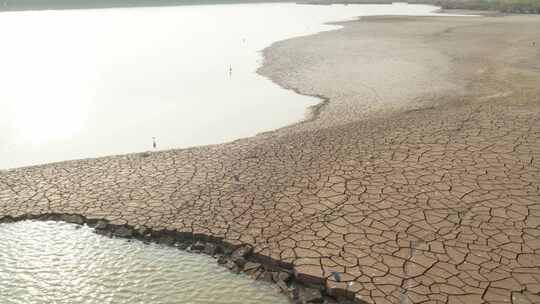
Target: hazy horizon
<point>15,5</point>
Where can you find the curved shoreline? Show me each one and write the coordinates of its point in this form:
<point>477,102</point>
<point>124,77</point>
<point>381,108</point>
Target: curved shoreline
<point>428,204</point>
<point>238,258</point>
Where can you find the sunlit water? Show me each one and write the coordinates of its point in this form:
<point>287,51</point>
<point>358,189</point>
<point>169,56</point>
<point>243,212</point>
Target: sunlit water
<point>86,83</point>
<point>49,262</point>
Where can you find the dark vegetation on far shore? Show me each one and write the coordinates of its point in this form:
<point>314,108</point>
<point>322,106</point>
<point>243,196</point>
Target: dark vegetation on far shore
<point>504,6</point>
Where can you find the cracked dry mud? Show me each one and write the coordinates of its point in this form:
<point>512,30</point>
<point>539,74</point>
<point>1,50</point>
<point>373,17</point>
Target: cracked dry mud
<point>419,187</point>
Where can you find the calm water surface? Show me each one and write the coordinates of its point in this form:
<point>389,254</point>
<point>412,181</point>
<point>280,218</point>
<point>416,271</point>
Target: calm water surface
<point>49,262</point>
<point>95,82</point>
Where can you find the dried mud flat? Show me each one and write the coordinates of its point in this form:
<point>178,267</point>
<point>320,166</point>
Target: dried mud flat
<point>417,182</point>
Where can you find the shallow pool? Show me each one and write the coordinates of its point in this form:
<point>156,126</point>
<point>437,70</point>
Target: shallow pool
<point>55,262</point>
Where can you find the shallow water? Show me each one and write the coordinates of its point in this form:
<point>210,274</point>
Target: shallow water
<point>94,82</point>
<point>50,262</point>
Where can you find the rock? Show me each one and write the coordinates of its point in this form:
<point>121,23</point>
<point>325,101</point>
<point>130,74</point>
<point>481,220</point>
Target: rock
<point>251,267</point>
<point>310,295</point>
<point>239,255</point>
<point>309,274</point>
<point>256,274</point>
<point>184,237</point>
<point>142,231</point>
<point>283,287</point>
<point>240,262</point>
<point>198,246</point>
<point>210,249</point>
<point>123,232</point>
<point>232,266</point>
<point>166,240</point>
<point>72,218</point>
<point>101,224</point>
<point>242,252</point>
<point>6,219</point>
<point>222,260</point>
<point>266,276</point>
<point>47,217</point>
<point>281,276</point>
<point>103,232</point>
<point>294,295</point>
<point>338,289</point>
<point>227,250</point>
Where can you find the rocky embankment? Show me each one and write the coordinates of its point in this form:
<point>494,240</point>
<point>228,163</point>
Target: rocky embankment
<point>238,259</point>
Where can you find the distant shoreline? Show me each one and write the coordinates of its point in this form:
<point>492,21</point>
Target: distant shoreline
<point>507,7</point>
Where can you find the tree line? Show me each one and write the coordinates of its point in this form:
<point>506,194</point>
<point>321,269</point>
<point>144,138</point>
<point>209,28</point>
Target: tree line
<point>505,6</point>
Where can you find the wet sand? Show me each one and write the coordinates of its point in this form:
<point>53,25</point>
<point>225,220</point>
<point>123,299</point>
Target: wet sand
<point>418,179</point>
